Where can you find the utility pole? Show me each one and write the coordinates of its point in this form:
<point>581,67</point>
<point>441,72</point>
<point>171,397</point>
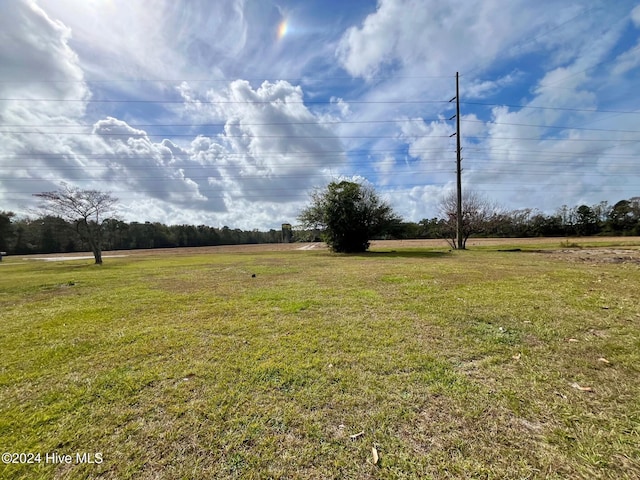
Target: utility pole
<point>459,240</point>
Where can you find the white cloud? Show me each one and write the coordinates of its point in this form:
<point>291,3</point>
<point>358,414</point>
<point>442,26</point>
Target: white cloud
<point>635,16</point>
<point>627,61</point>
<point>43,88</point>
<point>38,63</point>
<point>273,149</point>
<point>418,202</point>
<point>271,152</point>
<point>123,40</point>
<point>434,37</point>
<point>480,89</point>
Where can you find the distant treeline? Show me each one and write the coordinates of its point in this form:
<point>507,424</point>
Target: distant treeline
<point>54,235</point>
<point>622,218</point>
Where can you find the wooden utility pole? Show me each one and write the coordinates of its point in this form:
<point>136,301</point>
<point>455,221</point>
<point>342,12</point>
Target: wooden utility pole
<point>459,168</point>
<point>459,239</point>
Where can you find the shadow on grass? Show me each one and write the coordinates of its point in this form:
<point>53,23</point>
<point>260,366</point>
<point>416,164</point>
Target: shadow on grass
<point>401,254</point>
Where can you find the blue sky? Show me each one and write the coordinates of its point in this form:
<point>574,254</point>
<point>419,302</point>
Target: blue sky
<point>231,112</point>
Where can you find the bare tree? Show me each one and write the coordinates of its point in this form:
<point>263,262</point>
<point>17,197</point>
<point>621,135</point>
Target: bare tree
<point>478,216</point>
<point>85,209</point>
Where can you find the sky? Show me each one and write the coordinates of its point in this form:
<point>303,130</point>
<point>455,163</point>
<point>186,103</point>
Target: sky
<point>232,112</point>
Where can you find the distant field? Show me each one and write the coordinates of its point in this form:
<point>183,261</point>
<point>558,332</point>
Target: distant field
<point>266,361</point>
<point>537,242</point>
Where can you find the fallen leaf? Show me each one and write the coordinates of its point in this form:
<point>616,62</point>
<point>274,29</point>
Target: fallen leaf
<point>603,360</point>
<point>374,452</point>
<point>581,388</point>
<point>516,356</point>
<point>356,435</point>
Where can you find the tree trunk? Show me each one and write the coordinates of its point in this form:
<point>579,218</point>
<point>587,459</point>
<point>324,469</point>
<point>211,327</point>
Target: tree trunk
<point>97,254</point>
<point>94,239</point>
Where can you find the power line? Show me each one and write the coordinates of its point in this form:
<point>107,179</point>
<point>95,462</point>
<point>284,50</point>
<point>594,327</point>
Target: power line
<point>567,109</point>
<point>337,158</point>
<point>311,102</point>
<point>221,125</point>
<point>218,102</point>
<point>320,122</point>
<point>559,127</point>
<point>285,192</point>
<point>223,80</point>
<point>271,171</point>
<point>272,153</point>
<point>225,136</point>
<point>128,135</point>
<point>425,171</point>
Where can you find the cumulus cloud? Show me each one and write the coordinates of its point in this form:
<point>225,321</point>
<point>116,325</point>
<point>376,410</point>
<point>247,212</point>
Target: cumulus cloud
<point>270,153</point>
<point>136,164</point>
<point>272,148</point>
<point>429,35</point>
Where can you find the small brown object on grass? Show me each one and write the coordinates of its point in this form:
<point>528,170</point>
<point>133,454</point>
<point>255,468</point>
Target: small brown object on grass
<point>581,388</point>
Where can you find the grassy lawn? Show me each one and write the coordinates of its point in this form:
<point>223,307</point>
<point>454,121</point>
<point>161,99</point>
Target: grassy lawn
<point>476,364</point>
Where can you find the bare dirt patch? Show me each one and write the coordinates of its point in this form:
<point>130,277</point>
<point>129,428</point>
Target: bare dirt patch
<point>551,242</point>
<point>598,255</point>
<point>586,249</point>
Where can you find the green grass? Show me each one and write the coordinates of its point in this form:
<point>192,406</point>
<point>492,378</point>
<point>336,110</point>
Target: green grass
<point>455,365</point>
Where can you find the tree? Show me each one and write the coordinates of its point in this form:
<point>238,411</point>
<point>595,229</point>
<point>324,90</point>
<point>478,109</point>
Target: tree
<point>86,210</point>
<point>621,216</point>
<point>478,216</point>
<point>6,230</point>
<point>431,228</point>
<point>350,215</point>
<point>586,220</point>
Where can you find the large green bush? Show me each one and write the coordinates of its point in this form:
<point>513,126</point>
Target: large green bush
<point>350,214</point>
